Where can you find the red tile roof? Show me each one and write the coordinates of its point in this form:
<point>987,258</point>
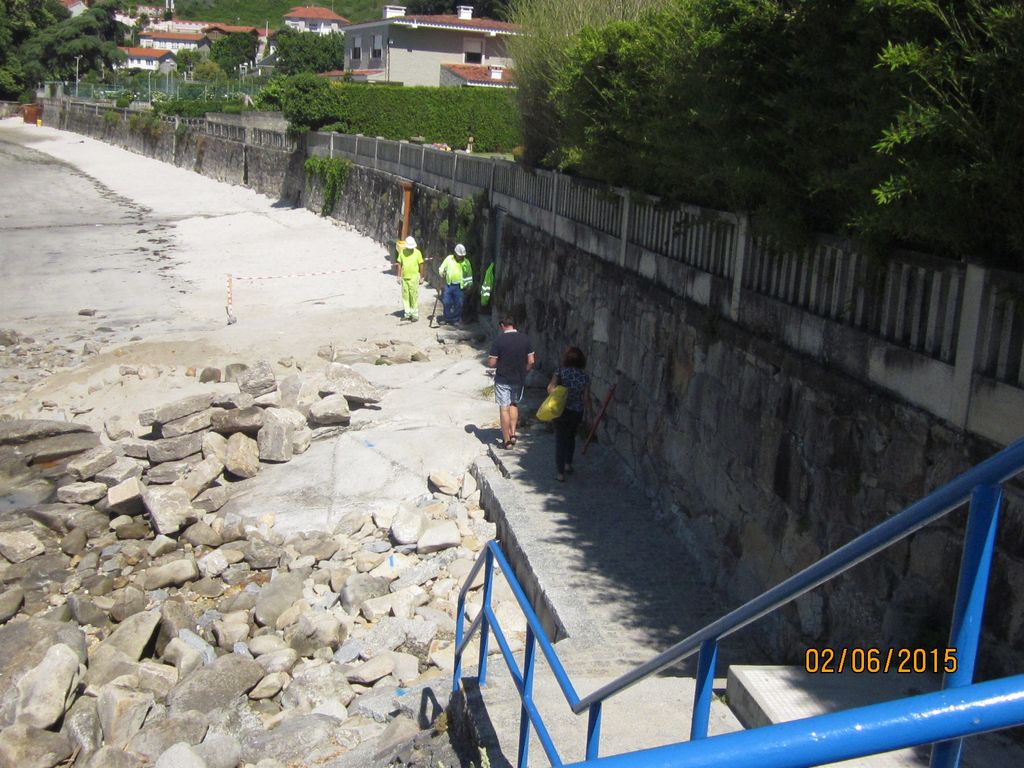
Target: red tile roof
<point>146,53</point>
<point>455,22</point>
<point>69,4</point>
<point>193,37</point>
<point>315,12</point>
<point>232,28</point>
<point>479,73</point>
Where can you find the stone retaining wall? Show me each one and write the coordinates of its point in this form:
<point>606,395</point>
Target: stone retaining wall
<point>761,458</point>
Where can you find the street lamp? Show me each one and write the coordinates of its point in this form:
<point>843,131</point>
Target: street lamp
<point>76,74</point>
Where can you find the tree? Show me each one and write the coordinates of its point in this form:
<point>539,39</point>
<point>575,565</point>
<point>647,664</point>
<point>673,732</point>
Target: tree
<point>485,9</point>
<point>208,71</point>
<point>93,35</point>
<point>186,60</point>
<point>957,139</point>
<point>19,21</point>
<point>234,50</point>
<point>299,52</point>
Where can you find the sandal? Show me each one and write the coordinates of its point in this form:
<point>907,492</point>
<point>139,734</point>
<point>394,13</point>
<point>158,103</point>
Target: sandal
<point>514,439</point>
<point>509,445</point>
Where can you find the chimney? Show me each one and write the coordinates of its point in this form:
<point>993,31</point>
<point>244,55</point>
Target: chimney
<point>392,11</point>
<point>465,11</point>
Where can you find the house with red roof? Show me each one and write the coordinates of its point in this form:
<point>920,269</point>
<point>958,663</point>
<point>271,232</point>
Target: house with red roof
<point>430,49</point>
<point>170,41</point>
<point>153,59</point>
<point>312,18</point>
<point>75,7</point>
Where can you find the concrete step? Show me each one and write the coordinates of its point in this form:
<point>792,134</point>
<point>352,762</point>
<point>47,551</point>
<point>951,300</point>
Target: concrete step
<point>763,695</point>
<point>652,713</point>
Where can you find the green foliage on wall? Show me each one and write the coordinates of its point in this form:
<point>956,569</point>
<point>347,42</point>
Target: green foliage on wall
<point>195,108</point>
<point>442,115</point>
<point>331,173</point>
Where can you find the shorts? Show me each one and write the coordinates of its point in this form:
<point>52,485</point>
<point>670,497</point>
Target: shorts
<point>507,394</point>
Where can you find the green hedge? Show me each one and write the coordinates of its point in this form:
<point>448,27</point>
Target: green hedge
<point>196,108</point>
<point>443,115</point>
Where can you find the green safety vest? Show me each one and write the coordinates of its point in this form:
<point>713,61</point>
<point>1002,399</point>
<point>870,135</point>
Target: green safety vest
<point>454,272</point>
<point>410,260</point>
<point>487,285</point>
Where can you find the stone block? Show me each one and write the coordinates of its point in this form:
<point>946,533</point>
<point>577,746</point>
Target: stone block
<point>86,466</point>
<point>174,448</point>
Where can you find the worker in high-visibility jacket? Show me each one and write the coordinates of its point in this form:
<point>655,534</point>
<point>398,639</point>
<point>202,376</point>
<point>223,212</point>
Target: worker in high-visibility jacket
<point>487,285</point>
<point>457,273</point>
<point>409,268</point>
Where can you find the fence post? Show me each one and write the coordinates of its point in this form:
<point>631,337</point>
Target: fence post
<point>967,344</point>
<point>624,227</point>
<point>376,144</point>
<point>555,175</point>
<point>330,151</point>
<point>739,259</point>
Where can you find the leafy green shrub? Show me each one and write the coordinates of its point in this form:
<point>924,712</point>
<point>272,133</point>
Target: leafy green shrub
<point>197,107</point>
<point>332,173</point>
<point>443,115</point>
<point>148,124</point>
<point>111,118</point>
<point>124,100</point>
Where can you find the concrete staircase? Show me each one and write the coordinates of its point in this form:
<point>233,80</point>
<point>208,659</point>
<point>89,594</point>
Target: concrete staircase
<point>612,590</point>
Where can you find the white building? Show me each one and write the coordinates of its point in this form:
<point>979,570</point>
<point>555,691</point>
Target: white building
<point>170,41</point>
<point>153,59</point>
<point>322,21</point>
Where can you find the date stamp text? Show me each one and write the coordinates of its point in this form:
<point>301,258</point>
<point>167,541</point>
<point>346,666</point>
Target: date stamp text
<point>868,660</point>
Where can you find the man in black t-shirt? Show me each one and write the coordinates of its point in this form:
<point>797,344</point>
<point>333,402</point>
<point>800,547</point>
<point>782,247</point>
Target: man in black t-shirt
<point>511,356</point>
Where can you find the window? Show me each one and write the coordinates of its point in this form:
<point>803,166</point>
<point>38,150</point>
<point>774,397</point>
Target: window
<point>357,48</point>
<point>473,51</point>
<point>378,44</point>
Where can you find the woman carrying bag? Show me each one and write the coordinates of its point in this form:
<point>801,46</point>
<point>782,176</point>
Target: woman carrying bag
<point>577,381</point>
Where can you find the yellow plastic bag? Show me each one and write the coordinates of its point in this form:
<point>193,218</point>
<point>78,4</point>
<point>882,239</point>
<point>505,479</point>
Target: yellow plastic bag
<point>553,404</point>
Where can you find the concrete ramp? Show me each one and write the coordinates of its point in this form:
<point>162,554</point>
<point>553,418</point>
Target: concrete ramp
<point>764,695</point>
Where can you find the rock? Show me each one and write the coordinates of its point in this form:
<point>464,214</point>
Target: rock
<point>214,687</point>
<point>275,438</point>
<point>209,375</point>
<point>360,588</point>
<point>126,497</point>
<point>270,686</point>
<point>201,476</point>
<point>180,755</point>
<point>27,747</point>
<point>408,526</point>
<point>227,422</point>
<point>212,499</point>
<point>172,574</point>
<point>133,531</point>
<point>314,630</point>
<point>439,535</point>
<point>82,725</point>
<point>212,564</point>
<point>161,545</point>
<point>278,661</point>
<point>301,440</point>
<point>89,463</point>
<point>186,425</point>
<point>258,380</point>
<point>19,432</point>
<point>169,508</point>
<point>344,380</point>
<point>215,444</point>
<point>371,671</point>
<point>318,685</point>
<point>331,410</point>
<point>123,468</point>
<point>127,602</point>
<point>11,601</point>
<point>242,458</point>
<point>19,546</point>
<point>174,448</point>
<point>399,733</point>
<point>300,740</point>
<point>113,757</point>
<point>122,711</point>
<point>172,471</point>
<point>135,448</point>
<point>156,738</point>
<point>47,690</point>
<point>133,634</point>
<point>445,482</point>
<point>176,410</point>
<point>85,611</point>
<point>386,636</point>
<point>261,555</point>
<point>276,597</point>
<point>231,400</point>
<point>81,493</point>
<point>219,750</point>
<point>201,534</point>
<point>117,428</point>
<point>184,657</point>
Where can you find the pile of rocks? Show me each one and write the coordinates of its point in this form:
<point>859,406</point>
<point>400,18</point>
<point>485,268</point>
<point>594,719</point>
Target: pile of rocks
<point>140,625</point>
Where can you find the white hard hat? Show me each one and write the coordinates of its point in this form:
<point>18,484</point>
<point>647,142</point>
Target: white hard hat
<point>460,250</point>
<point>410,242</point>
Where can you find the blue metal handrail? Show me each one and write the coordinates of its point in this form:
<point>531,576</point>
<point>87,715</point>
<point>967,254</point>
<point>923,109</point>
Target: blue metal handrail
<point>981,485</point>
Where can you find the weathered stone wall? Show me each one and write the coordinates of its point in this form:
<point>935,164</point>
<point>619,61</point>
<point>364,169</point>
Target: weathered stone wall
<point>761,459</point>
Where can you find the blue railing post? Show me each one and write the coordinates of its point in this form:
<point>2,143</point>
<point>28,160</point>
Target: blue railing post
<point>593,730</point>
<point>485,624</point>
<point>703,690</point>
<point>527,697</point>
<point>979,542</point>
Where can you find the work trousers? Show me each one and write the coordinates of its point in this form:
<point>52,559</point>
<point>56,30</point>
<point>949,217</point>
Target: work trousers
<point>411,296</point>
<point>453,298</point>
<point>566,427</point>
